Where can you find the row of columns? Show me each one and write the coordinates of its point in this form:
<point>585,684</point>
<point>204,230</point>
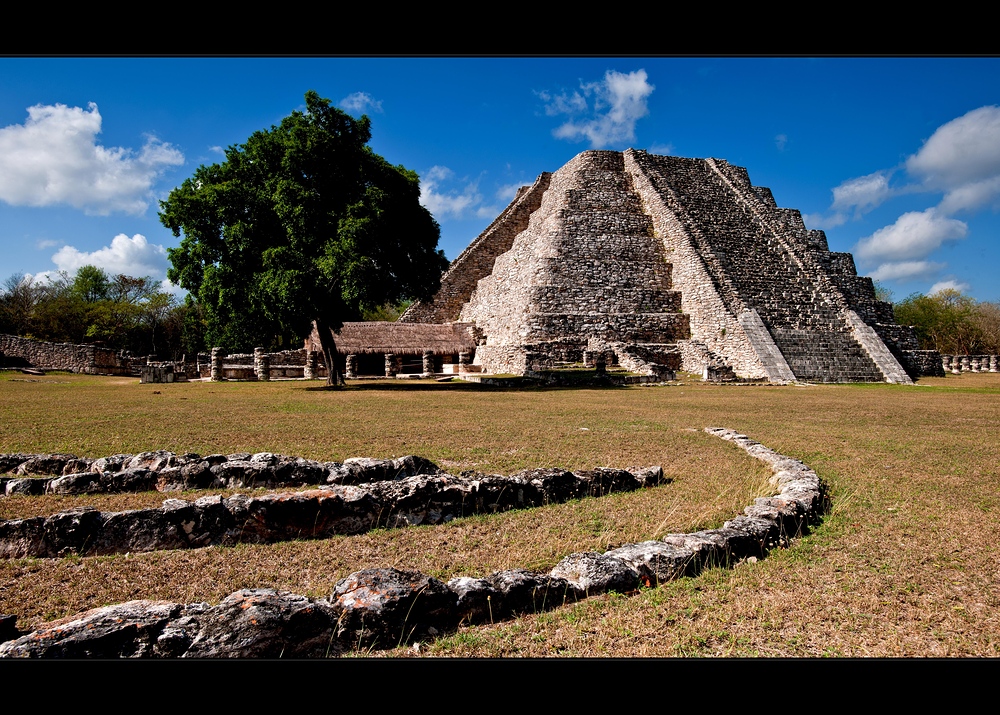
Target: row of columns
<point>957,364</point>
<point>393,364</point>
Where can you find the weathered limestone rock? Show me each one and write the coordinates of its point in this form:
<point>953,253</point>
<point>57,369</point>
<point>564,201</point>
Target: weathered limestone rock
<point>592,573</point>
<point>387,607</point>
<point>255,623</point>
<point>218,355</point>
<point>261,364</point>
<point>476,599</point>
<point>522,591</point>
<point>655,561</point>
<point>126,630</point>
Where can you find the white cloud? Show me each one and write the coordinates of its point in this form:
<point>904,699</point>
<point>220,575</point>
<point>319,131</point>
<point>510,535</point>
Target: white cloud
<point>54,158</point>
<point>963,150</point>
<point>781,141</point>
<point>824,222</point>
<point>619,101</point>
<point>864,192</point>
<point>906,270</point>
<point>971,196</point>
<point>962,158</point>
<point>44,243</point>
<point>217,149</point>
<point>132,256</point>
<point>442,203</point>
<point>662,149</point>
<point>914,235</point>
<point>952,284</point>
<point>360,102</point>
<point>563,103</point>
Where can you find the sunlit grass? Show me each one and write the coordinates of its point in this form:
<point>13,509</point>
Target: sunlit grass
<point>905,563</point>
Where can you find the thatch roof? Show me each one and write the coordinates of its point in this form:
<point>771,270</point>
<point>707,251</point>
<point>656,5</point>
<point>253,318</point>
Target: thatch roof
<point>400,338</point>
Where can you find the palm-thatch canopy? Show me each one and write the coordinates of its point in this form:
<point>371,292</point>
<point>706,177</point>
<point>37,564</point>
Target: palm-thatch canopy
<point>400,338</point>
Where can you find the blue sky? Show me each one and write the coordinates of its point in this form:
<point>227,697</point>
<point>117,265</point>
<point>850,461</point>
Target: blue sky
<point>898,159</point>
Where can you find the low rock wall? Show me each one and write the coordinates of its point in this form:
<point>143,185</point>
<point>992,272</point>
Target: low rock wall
<point>385,607</point>
<point>357,496</point>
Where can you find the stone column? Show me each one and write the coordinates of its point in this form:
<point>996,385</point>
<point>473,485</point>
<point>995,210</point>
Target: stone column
<point>218,355</point>
<point>965,363</point>
<point>956,365</point>
<point>309,369</point>
<point>974,361</point>
<point>600,363</point>
<point>993,363</point>
<point>351,367</point>
<point>262,364</point>
<point>428,363</point>
<point>390,365</point>
<point>464,360</point>
<point>946,363</point>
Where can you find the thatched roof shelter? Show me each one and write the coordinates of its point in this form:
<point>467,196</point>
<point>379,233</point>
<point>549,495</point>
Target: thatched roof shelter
<point>400,338</point>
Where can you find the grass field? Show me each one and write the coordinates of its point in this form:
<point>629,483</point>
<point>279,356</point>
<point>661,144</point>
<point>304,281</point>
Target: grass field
<point>905,564</point>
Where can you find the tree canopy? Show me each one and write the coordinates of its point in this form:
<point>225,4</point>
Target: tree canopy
<point>121,312</point>
<point>302,223</point>
<point>952,323</point>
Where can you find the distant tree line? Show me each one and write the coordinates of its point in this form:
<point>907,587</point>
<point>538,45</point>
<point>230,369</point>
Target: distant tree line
<point>120,312</point>
<point>952,323</point>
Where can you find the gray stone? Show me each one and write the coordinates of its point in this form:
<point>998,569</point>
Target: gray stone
<point>125,630</point>
<point>523,591</point>
<point>388,607</point>
<point>256,623</point>
<point>592,573</point>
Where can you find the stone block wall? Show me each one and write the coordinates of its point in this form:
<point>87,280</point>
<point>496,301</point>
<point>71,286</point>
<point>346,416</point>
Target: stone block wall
<point>88,359</point>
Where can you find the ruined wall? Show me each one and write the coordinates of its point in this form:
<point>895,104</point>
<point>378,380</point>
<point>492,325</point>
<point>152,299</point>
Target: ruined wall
<point>89,359</point>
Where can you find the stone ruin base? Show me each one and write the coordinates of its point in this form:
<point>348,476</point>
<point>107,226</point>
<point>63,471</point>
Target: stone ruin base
<point>383,608</point>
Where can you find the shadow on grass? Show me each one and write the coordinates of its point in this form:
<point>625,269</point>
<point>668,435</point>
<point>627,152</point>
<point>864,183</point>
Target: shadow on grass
<point>427,386</point>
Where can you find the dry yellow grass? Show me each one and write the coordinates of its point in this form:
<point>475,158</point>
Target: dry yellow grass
<point>906,563</point>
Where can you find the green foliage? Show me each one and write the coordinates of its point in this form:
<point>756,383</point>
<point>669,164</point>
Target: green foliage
<point>91,284</point>
<point>951,322</point>
<point>389,312</point>
<point>301,223</point>
<point>882,292</point>
<point>123,312</point>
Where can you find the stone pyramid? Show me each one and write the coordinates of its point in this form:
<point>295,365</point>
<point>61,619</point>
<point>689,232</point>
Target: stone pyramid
<point>664,263</point>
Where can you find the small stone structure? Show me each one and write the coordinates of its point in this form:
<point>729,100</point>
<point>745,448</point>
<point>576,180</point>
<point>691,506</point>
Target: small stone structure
<point>383,607</point>
<point>667,263</point>
<point>377,348</point>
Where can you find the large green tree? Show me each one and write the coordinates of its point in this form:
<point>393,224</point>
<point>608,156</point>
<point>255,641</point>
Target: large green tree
<point>303,223</point>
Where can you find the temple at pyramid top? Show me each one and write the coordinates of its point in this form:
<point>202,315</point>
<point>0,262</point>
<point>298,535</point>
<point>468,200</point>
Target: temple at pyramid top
<point>665,263</point>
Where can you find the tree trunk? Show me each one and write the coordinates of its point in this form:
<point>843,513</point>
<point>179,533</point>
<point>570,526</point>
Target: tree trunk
<point>329,347</point>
